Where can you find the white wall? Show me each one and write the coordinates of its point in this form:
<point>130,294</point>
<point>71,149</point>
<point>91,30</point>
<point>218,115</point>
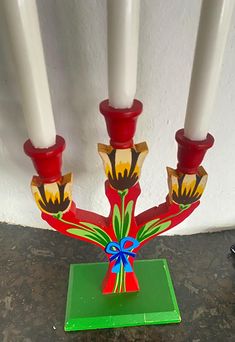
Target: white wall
<point>74,36</point>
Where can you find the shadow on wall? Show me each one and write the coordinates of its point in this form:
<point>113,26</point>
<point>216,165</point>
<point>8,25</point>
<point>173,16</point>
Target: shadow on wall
<point>76,66</point>
<point>12,128</point>
<point>77,73</point>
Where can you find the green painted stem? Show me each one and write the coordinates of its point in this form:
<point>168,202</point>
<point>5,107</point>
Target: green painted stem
<point>173,215</point>
<point>120,285</point>
<point>122,194</point>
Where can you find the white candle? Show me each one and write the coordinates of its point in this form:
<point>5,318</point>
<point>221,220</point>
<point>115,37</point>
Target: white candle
<point>25,34</point>
<point>123,36</point>
<point>212,35</point>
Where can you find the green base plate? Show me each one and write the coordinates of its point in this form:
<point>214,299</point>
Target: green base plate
<point>88,308</point>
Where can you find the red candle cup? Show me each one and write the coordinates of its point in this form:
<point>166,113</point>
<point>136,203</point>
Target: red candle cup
<point>121,123</point>
<point>191,152</point>
<point>47,161</point>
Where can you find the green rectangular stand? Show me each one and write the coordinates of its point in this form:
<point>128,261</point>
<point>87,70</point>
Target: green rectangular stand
<point>88,308</point>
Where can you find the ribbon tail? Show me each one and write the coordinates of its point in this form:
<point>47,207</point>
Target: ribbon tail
<point>117,266</point>
<point>126,264</point>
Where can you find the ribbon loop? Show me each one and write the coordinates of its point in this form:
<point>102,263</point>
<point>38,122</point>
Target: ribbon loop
<point>120,253</point>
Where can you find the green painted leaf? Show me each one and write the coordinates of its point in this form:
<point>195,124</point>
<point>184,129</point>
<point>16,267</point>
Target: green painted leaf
<point>148,234</point>
<point>97,239</point>
<point>86,226</point>
<point>117,222</point>
<point>126,225</point>
<point>87,235</point>
<point>122,193</point>
<point>162,226</point>
<point>98,231</point>
<point>58,215</point>
<point>151,232</point>
<point>184,206</point>
<point>89,225</point>
<point>146,227</point>
<point>104,235</point>
<point>150,224</point>
<point>154,230</point>
<point>127,218</point>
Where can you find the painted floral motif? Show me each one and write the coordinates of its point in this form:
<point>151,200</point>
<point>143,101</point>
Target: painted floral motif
<point>53,198</point>
<point>122,214</point>
<point>185,188</point>
<point>123,166</point>
<point>121,234</point>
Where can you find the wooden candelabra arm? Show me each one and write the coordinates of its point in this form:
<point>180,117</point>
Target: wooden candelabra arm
<point>158,220</point>
<point>81,224</point>
<point>184,194</point>
<point>185,191</point>
<point>88,226</point>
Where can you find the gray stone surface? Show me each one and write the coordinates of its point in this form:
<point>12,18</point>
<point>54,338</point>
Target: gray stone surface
<point>34,267</point>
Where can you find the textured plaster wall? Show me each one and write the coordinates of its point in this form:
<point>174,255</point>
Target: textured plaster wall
<point>74,37</point>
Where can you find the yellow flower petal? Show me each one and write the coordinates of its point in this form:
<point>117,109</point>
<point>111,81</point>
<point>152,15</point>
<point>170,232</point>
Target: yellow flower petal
<point>53,197</point>
<point>127,164</point>
<point>142,148</point>
<point>121,167</point>
<point>186,188</point>
<point>188,184</point>
<point>104,151</point>
<point>123,156</point>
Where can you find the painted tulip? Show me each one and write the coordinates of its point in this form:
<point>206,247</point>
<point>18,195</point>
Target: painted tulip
<point>123,166</point>
<point>53,198</point>
<point>185,188</point>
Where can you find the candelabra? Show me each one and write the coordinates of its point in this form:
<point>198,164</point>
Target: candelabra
<point>124,300</point>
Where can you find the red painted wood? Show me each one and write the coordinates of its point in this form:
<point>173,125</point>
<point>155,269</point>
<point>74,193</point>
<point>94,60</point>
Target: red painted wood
<point>191,152</point>
<point>74,217</point>
<point>164,211</point>
<point>131,281</point>
<point>47,161</point>
<point>121,123</point>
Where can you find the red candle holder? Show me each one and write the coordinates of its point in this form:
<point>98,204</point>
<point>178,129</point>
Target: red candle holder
<point>121,123</point>
<point>47,161</point>
<point>190,152</point>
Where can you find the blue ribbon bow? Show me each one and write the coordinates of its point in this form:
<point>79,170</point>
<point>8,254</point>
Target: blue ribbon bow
<point>121,253</point>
